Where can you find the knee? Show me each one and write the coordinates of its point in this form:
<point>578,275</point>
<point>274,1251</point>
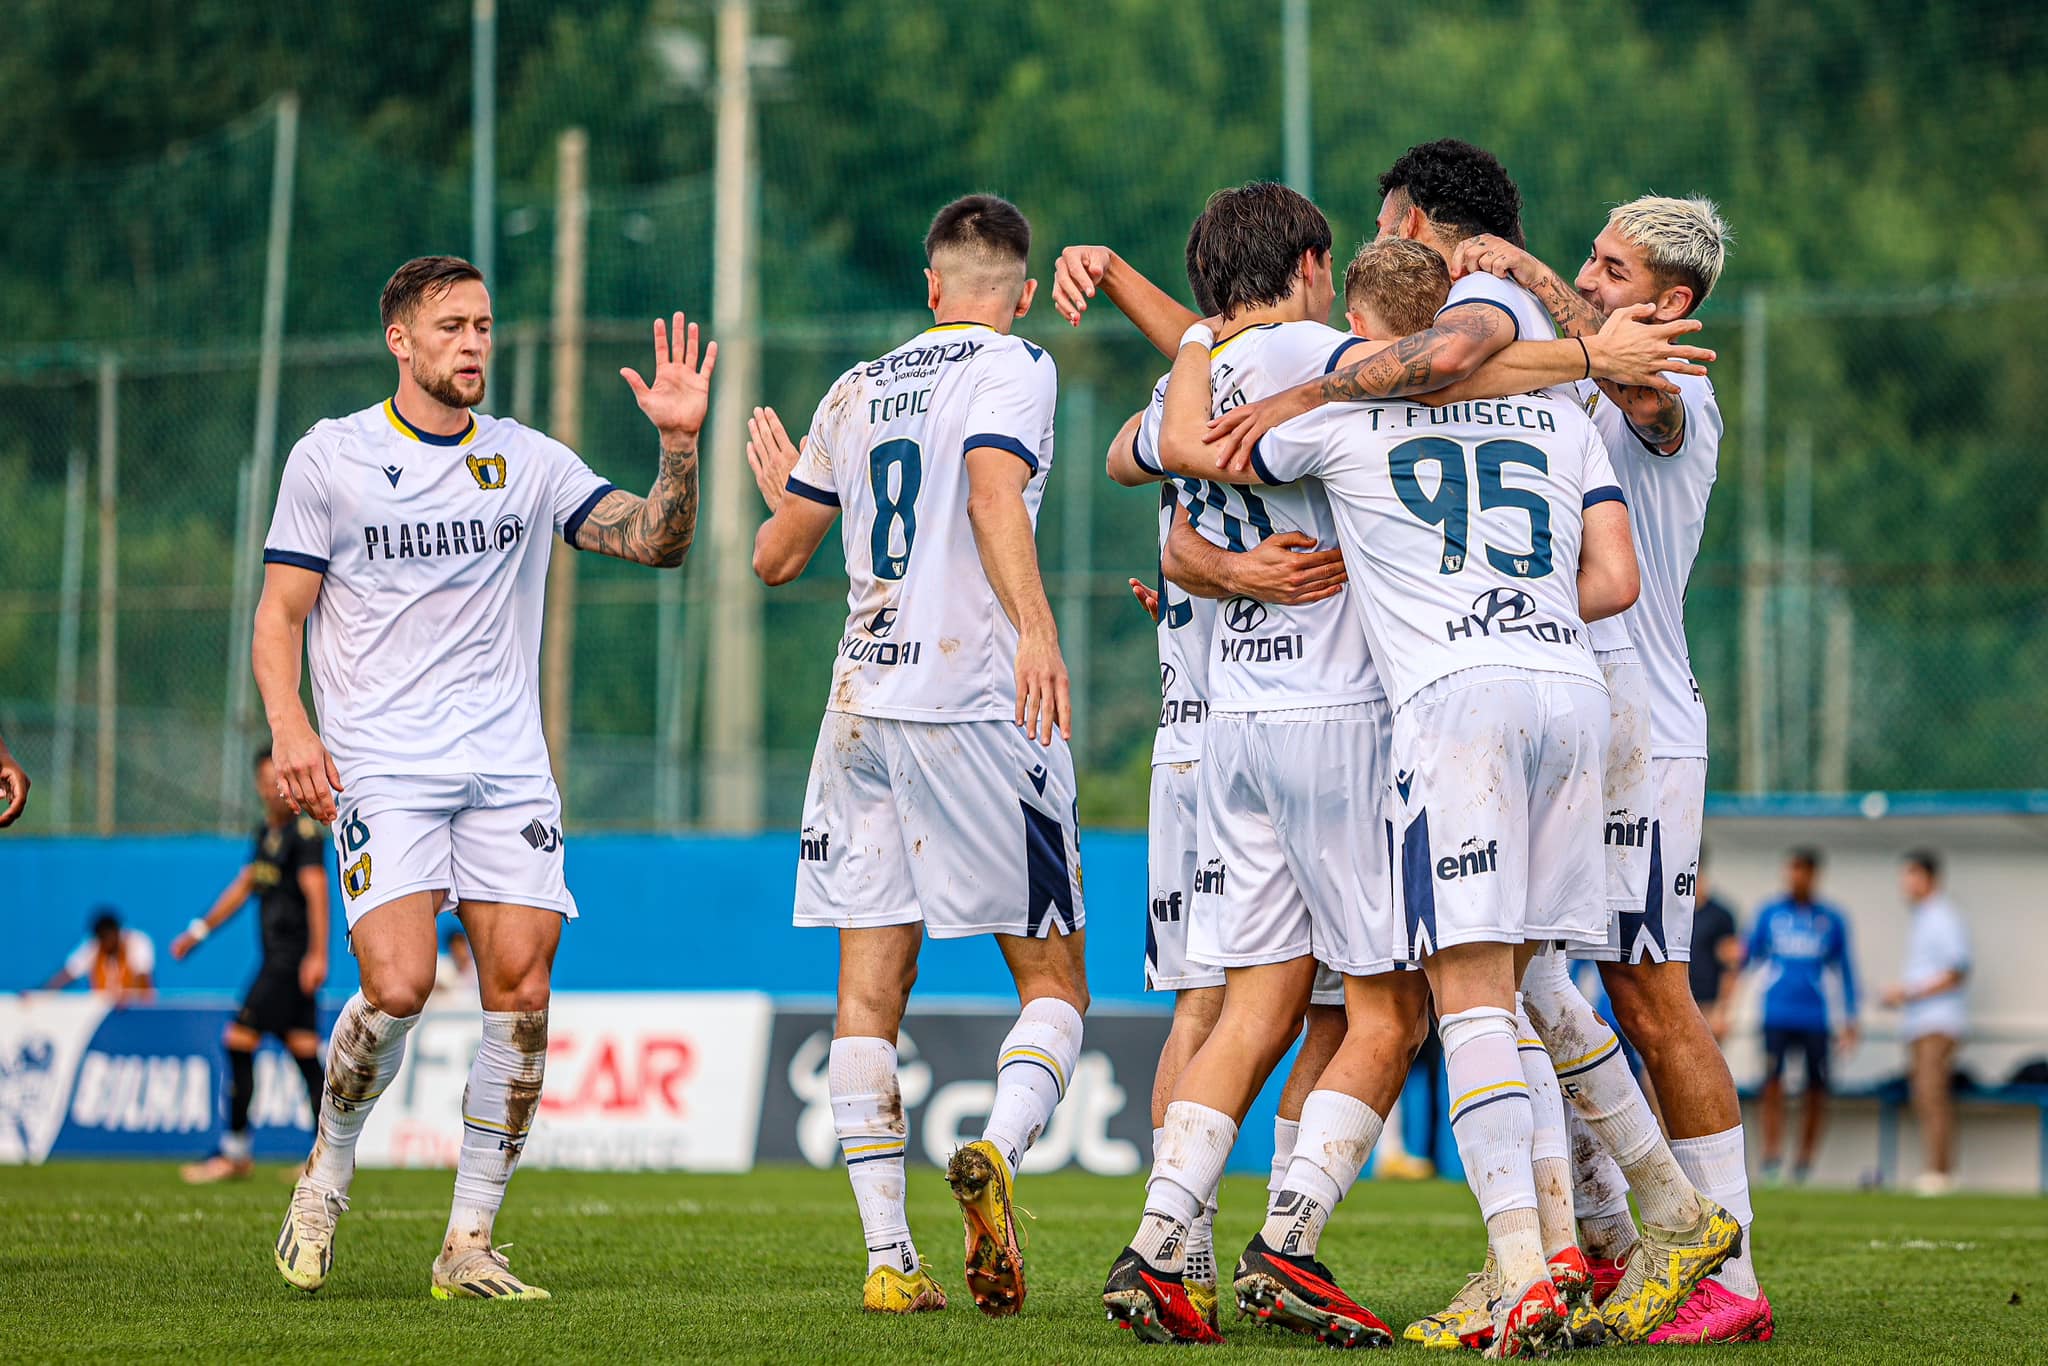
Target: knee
<point>397,992</point>
<point>239,1038</point>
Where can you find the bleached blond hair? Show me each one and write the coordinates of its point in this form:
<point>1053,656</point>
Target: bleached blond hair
<point>1684,240</point>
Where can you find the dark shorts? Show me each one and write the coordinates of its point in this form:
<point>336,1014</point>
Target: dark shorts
<point>1811,1044</point>
<point>275,1005</point>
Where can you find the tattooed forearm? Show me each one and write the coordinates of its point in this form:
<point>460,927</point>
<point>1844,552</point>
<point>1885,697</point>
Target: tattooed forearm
<point>1657,417</point>
<point>1565,304</point>
<point>1461,340</point>
<point>655,530</point>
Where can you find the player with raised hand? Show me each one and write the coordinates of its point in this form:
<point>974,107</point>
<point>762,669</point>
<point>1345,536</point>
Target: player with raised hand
<point>941,797</point>
<point>1666,255</point>
<point>409,552</point>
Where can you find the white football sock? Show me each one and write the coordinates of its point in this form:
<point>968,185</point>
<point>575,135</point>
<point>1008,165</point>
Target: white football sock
<point>1716,1165</point>
<point>1596,1079</point>
<point>867,1113</point>
<point>362,1058</point>
<point>1549,1155</point>
<point>1284,1132</point>
<point>1200,1262</point>
<point>1337,1135</point>
<point>498,1107</point>
<point>1599,1194</point>
<point>1493,1124</point>
<point>1032,1071</point>
<point>1185,1174</point>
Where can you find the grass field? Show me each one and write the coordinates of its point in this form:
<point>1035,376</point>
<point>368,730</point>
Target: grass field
<point>121,1262</point>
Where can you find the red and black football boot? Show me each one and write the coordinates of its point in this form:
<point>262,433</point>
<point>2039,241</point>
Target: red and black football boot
<point>1298,1293</point>
<point>1153,1304</point>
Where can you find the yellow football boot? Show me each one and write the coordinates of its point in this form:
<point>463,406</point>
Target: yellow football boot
<point>1664,1267</point>
<point>889,1291</point>
<point>980,1179</point>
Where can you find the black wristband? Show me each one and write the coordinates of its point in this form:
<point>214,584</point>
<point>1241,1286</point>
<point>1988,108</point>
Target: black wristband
<point>1588,355</point>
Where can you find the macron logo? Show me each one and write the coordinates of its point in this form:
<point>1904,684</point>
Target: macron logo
<point>392,472</point>
<point>1038,776</point>
<point>1404,783</point>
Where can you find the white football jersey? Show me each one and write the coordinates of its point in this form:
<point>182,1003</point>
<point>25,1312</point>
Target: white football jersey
<point>926,637</point>
<point>1461,526</point>
<point>1186,623</point>
<point>1667,515</point>
<point>1265,657</point>
<point>425,640</point>
<point>1532,321</point>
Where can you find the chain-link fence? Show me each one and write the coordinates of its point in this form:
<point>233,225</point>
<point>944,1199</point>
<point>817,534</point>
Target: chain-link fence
<point>1868,609</point>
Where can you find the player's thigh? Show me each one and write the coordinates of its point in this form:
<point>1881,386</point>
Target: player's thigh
<point>988,820</point>
<point>239,1037</point>
<point>395,952</point>
<point>1628,800</point>
<point>852,868</point>
<point>1461,813</point>
<point>1567,862</point>
<point>515,948</point>
<point>1328,779</point>
<point>275,1005</point>
<point>1777,1043</point>
<point>1814,1045</point>
<point>1247,910</point>
<point>302,1043</point>
<point>1170,858</point>
<point>394,837</point>
<point>1680,789</point>
<point>508,849</point>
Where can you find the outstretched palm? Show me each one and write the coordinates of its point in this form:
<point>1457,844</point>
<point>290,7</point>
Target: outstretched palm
<point>680,395</point>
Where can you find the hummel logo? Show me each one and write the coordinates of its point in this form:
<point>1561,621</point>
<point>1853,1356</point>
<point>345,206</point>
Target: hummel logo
<point>392,472</point>
<point>1038,776</point>
<point>1402,783</point>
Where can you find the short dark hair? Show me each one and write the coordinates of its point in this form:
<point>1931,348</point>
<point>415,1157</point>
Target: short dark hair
<point>1205,303</point>
<point>1806,856</point>
<point>1927,861</point>
<point>105,918</point>
<point>419,278</point>
<point>1251,241</point>
<point>1404,284</point>
<point>1463,190</point>
<point>982,222</point>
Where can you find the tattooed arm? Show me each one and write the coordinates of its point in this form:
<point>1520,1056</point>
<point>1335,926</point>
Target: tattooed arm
<point>657,530</point>
<point>1462,340</point>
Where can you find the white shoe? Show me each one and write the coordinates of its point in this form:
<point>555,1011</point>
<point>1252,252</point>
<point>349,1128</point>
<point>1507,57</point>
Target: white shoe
<point>1934,1183</point>
<point>305,1246</point>
<point>480,1273</point>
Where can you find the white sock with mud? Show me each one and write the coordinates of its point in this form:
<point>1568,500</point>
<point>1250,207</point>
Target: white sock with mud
<point>867,1112</point>
<point>362,1059</point>
<point>498,1107</point>
<point>1337,1134</point>
<point>1284,1133</point>
<point>1549,1153</point>
<point>1607,1229</point>
<point>1201,1250</point>
<point>1032,1071</point>
<point>1494,1127</point>
<point>1715,1164</point>
<point>1596,1079</point>
<point>1186,1170</point>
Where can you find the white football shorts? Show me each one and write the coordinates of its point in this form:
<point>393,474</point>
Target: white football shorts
<point>1625,781</point>
<point>1170,881</point>
<point>967,826</point>
<point>1498,804</point>
<point>473,836</point>
<point>1294,841</point>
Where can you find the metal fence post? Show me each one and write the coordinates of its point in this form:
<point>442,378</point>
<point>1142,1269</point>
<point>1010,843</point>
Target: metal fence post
<point>71,583</point>
<point>105,768</point>
<point>1756,671</point>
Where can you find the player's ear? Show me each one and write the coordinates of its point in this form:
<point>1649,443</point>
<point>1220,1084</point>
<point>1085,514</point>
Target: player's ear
<point>1024,299</point>
<point>1357,323</point>
<point>931,289</point>
<point>1674,303</point>
<point>396,342</point>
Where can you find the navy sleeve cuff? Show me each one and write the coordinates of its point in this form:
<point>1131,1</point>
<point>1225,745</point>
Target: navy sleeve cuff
<point>995,441</point>
<point>1150,467</point>
<point>1513,321</point>
<point>827,497</point>
<point>1606,493</point>
<point>1337,356</point>
<point>582,512</point>
<point>295,560</point>
<point>1259,466</point>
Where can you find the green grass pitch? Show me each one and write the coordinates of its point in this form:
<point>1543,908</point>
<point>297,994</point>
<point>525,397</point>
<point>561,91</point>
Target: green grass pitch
<point>107,1262</point>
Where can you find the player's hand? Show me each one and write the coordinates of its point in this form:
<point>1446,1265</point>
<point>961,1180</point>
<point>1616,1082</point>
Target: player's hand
<point>1147,599</point>
<point>307,776</point>
<point>1894,996</point>
<point>183,945</point>
<point>13,789</point>
<point>680,395</point>
<point>1630,350</point>
<point>771,455</point>
<point>1288,570</point>
<point>312,971</point>
<point>1044,704</point>
<point>1493,256</point>
<point>1074,278</point>
<point>1847,1040</point>
<point>1237,431</point>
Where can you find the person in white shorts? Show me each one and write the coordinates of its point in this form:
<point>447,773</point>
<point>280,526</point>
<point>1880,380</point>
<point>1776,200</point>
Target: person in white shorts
<point>941,797</point>
<point>1663,256</point>
<point>409,550</point>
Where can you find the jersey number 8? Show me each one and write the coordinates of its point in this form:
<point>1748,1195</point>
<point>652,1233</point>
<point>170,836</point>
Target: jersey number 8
<point>1450,506</point>
<point>895,473</point>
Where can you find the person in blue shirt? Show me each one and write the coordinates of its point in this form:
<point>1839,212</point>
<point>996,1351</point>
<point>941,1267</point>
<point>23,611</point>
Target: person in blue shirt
<point>1795,942</point>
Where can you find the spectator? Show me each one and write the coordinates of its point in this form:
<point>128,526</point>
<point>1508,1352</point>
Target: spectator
<point>13,787</point>
<point>1930,993</point>
<point>116,962</point>
<point>1794,942</point>
<point>1716,957</point>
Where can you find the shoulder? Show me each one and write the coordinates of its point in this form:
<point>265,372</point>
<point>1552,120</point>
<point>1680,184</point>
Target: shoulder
<point>1490,291</point>
<point>1018,355</point>
<point>1315,348</point>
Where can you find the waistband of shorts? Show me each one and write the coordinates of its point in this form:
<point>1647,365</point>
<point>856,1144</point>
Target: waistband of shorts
<point>1340,711</point>
<point>1621,654</point>
<point>1497,673</point>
